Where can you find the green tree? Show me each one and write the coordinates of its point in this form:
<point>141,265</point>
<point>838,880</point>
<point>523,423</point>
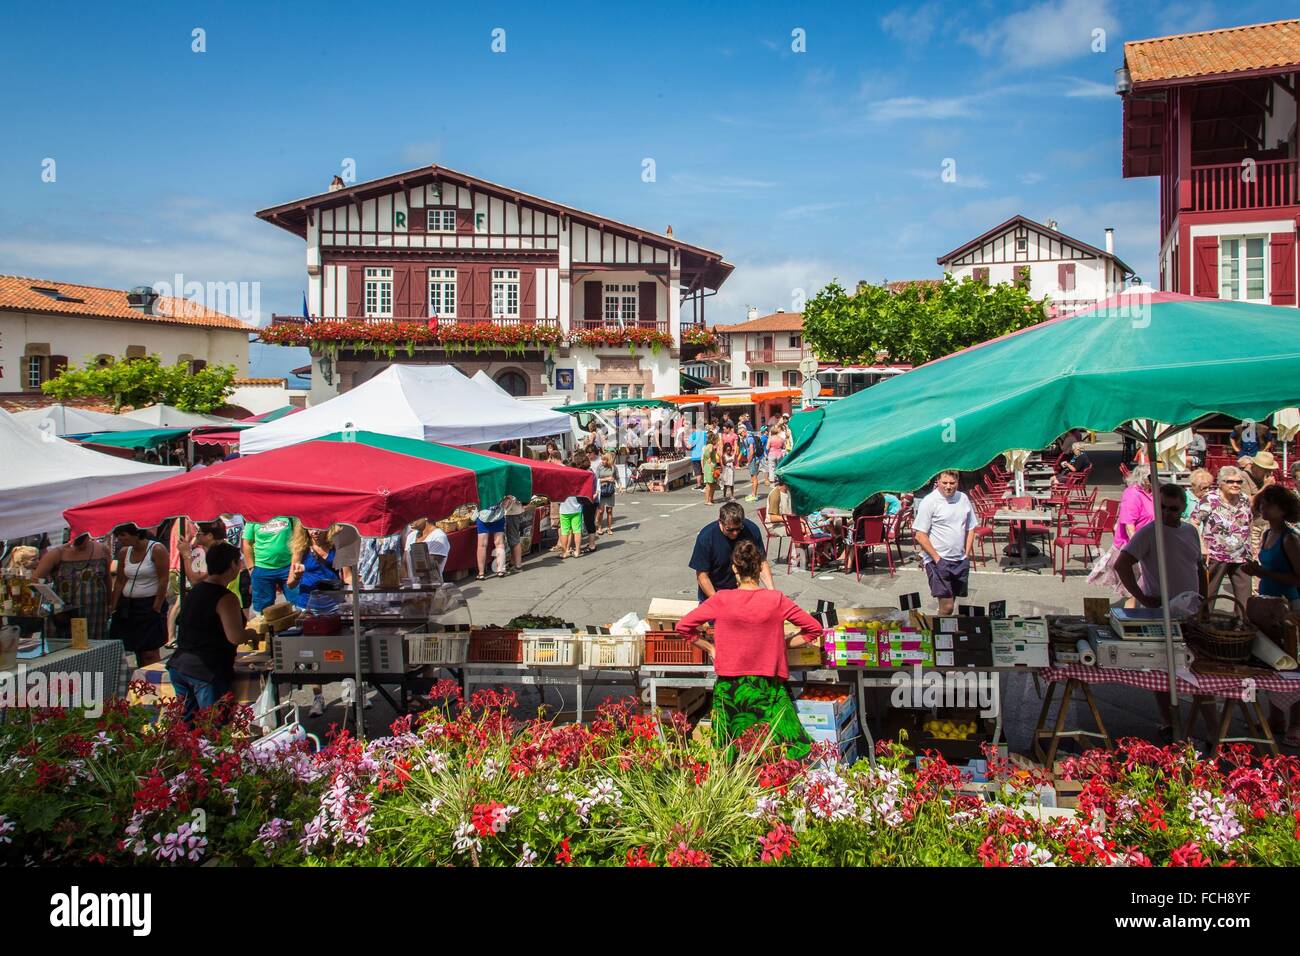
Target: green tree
<point>145,381</point>
<point>918,323</point>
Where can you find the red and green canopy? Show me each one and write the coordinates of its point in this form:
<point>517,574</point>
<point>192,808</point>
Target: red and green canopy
<point>376,483</point>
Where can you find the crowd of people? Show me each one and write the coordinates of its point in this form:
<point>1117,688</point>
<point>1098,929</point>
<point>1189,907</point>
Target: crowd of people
<point>725,453</point>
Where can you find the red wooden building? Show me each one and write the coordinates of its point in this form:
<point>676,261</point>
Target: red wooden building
<point>1213,114</point>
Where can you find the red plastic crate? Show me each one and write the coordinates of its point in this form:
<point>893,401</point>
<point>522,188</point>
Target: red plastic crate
<point>667,647</point>
<point>495,647</point>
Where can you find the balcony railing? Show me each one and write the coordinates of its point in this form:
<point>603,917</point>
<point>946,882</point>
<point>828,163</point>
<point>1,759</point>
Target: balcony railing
<point>773,356</point>
<point>587,324</point>
<point>1229,187</point>
<point>502,321</point>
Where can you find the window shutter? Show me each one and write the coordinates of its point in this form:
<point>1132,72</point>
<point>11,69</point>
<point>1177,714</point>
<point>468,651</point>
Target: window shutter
<point>483,292</point>
<point>1021,276</point>
<point>464,292</point>
<point>401,292</point>
<point>1205,266</point>
<point>1282,272</point>
<point>981,275</point>
<point>465,221</point>
<point>527,293</point>
<point>55,364</point>
<point>645,312</point>
<point>197,365</point>
<point>592,301</point>
<point>356,291</point>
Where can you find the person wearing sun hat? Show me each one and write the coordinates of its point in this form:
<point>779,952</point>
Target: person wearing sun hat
<point>1261,470</point>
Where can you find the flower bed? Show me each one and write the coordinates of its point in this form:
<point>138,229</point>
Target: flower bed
<point>469,785</point>
<point>389,337</point>
<point>697,335</point>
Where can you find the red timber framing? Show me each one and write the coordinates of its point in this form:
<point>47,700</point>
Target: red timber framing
<point>1225,149</point>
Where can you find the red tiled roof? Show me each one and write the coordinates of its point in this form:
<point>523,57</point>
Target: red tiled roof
<point>901,284</point>
<point>22,402</point>
<point>776,322</point>
<point>19,294</point>
<point>259,381</point>
<point>1255,48</point>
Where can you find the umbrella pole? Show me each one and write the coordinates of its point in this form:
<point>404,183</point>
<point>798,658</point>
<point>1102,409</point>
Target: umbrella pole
<point>360,698</point>
<point>1175,714</point>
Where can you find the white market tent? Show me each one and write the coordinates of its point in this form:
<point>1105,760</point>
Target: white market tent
<point>69,420</point>
<point>483,378</point>
<point>427,402</point>
<point>165,416</point>
<point>47,475</point>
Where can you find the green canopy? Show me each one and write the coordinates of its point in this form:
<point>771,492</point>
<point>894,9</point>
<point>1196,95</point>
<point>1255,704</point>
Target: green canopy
<point>142,438</point>
<point>1160,356</point>
<point>612,403</point>
<point>495,477</point>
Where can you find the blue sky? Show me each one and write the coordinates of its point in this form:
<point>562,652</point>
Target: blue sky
<point>797,166</point>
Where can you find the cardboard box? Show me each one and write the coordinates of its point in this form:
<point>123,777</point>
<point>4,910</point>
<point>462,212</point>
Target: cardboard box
<point>974,628</point>
<point>827,714</point>
<point>1031,630</point>
<point>1020,654</point>
<point>850,751</point>
<point>907,656</point>
<point>838,734</point>
<point>664,613</point>
<point>959,641</point>
<point>807,655</point>
<point>964,657</point>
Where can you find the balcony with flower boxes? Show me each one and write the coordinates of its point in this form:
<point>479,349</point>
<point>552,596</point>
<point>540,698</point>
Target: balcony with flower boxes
<point>774,356</point>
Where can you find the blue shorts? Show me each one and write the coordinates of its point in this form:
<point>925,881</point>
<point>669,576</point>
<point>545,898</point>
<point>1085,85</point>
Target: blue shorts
<point>266,581</point>
<point>948,577</point>
<point>495,527</point>
<point>755,465</point>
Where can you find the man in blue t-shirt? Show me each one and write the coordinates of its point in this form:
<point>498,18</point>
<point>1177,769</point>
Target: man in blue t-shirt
<point>698,439</point>
<point>711,559</point>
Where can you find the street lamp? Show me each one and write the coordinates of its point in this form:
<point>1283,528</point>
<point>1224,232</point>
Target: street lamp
<point>1123,81</point>
<point>548,366</point>
<point>327,368</point>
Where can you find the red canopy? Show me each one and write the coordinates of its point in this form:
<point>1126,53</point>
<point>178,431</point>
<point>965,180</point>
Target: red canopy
<point>552,479</point>
<point>230,436</point>
<point>320,482</point>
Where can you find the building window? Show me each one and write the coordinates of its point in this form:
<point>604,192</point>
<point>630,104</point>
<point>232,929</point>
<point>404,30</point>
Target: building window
<point>639,392</point>
<point>1022,244</point>
<point>796,341</point>
<point>620,303</point>
<point>1020,276</point>
<point>600,393</point>
<point>442,293</point>
<point>760,379</point>
<point>505,293</point>
<point>441,220</point>
<point>379,293</point>
<point>1241,268</point>
<point>513,383</point>
<point>1066,276</point>
<point>35,370</point>
<point>981,275</point>
<point>791,379</point>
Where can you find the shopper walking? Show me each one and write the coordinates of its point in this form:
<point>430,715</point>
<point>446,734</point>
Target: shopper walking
<point>139,593</point>
<point>944,527</point>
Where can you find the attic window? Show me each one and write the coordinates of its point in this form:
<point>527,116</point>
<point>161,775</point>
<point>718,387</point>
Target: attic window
<point>54,294</point>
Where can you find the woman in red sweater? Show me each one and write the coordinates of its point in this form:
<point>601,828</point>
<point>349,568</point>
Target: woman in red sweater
<point>749,655</point>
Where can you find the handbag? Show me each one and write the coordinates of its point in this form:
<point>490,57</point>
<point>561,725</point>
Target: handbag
<point>491,515</point>
<point>607,489</point>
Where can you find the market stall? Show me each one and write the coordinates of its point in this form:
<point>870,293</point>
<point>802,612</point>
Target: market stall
<point>68,421</point>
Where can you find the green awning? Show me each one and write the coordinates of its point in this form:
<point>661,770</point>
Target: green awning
<point>495,477</point>
<point>693,381</point>
<point>612,403</point>
<point>143,438</point>
<point>1157,356</point>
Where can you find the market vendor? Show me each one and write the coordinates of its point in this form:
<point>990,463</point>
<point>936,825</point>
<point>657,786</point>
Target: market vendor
<point>748,649</point>
<point>711,559</point>
<point>1182,546</point>
<point>211,626</point>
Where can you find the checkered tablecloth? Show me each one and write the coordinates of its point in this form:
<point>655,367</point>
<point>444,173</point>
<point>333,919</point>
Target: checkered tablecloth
<point>103,656</point>
<point>1208,685</point>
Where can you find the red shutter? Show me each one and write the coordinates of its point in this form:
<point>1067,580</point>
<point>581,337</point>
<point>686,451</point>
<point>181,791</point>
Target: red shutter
<point>464,292</point>
<point>401,292</point>
<point>981,274</point>
<point>1282,260</point>
<point>527,293</point>
<point>417,220</point>
<point>198,365</point>
<point>1065,277</point>
<point>356,291</point>
<point>592,301</point>
<point>1205,266</point>
<point>645,312</point>
<point>465,220</point>
<point>56,364</point>
<point>483,293</point>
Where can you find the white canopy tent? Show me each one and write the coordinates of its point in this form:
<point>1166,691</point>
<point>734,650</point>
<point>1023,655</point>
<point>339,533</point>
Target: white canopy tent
<point>47,475</point>
<point>428,402</point>
<point>483,378</point>
<point>63,420</point>
<point>165,416</point>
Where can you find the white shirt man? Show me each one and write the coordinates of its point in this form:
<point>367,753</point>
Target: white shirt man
<point>944,527</point>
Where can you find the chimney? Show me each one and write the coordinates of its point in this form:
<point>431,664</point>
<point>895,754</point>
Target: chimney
<point>336,184</point>
<point>1051,224</point>
<point>142,299</point>
<point>780,311</point>
<point>1110,241</point>
<point>752,314</point>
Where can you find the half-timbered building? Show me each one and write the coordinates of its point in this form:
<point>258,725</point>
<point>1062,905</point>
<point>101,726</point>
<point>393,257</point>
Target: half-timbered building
<point>1213,115</point>
<point>540,295</point>
<point>1069,272</point>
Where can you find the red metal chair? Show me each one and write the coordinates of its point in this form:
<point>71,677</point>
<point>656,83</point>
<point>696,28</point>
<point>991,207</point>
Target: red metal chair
<point>900,526</point>
<point>1123,470</point>
<point>1086,535</point>
<point>868,534</point>
<point>985,530</point>
<point>1081,504</point>
<point>1031,529</point>
<point>998,472</point>
<point>767,530</point>
<point>801,535</point>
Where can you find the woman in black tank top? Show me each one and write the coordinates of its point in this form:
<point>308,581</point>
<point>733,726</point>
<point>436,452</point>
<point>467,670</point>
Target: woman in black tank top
<point>211,627</point>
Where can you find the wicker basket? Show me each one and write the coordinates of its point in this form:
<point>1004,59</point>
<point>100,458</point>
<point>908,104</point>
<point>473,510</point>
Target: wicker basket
<point>1221,635</point>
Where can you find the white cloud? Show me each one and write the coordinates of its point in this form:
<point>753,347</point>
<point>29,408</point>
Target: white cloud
<point>1031,177</point>
<point>911,26</point>
<point>921,108</point>
<point>768,287</point>
<point>808,210</point>
<point>1089,88</point>
<point>1049,32</point>
<point>718,184</point>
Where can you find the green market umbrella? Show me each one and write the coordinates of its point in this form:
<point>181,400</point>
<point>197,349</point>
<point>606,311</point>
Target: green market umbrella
<point>612,403</point>
<point>141,438</point>
<point>1142,357</point>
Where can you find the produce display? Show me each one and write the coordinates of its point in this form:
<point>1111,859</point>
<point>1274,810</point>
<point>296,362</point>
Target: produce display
<point>950,730</point>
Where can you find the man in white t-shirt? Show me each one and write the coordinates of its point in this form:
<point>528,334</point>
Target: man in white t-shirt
<point>944,527</point>
<point>1182,553</point>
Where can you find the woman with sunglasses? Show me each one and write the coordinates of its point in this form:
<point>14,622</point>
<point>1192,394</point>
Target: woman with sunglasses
<point>1223,518</point>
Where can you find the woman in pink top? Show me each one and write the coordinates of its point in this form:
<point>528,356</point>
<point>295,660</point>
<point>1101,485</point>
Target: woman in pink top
<point>748,651</point>
<point>1135,506</point>
<point>777,439</point>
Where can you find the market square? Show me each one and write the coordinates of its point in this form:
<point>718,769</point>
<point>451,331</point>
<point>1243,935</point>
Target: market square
<point>463,512</point>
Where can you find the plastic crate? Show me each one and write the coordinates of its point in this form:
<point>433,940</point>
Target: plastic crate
<point>617,650</point>
<point>667,647</point>
<point>497,646</point>
<point>443,649</point>
<point>547,648</point>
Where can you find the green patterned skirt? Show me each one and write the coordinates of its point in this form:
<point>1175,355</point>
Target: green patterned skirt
<point>740,703</point>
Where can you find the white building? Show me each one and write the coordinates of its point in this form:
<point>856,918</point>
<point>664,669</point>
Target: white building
<point>45,325</point>
<point>1071,273</point>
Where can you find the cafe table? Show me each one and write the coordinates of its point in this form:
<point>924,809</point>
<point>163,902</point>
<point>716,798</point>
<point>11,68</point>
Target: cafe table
<point>1022,517</point>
